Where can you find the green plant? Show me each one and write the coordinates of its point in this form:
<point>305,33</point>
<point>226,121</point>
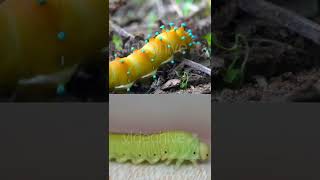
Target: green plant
<point>208,38</point>
<point>234,75</point>
<point>184,80</point>
<point>117,42</point>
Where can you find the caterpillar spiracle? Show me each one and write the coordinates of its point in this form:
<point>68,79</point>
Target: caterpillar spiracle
<point>166,146</point>
<point>123,72</point>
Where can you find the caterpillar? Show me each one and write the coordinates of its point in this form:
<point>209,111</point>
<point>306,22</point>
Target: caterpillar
<point>165,146</point>
<point>45,39</point>
<point>123,72</point>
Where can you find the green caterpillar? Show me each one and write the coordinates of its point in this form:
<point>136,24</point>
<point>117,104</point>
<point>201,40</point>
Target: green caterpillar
<point>165,146</point>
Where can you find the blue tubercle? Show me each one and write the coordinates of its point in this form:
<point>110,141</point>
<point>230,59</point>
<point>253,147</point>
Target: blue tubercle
<point>61,90</point>
<point>61,36</point>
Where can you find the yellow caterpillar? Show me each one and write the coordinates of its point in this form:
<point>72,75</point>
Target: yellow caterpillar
<point>123,72</point>
<point>42,41</point>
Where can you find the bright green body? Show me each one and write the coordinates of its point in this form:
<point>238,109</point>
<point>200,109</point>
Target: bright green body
<point>168,146</point>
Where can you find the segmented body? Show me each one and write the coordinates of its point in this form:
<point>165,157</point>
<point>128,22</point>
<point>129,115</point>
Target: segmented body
<point>123,72</point>
<point>167,146</point>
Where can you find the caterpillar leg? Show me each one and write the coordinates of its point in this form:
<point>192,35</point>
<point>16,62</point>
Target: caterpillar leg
<point>137,161</point>
<point>194,162</point>
<point>121,160</point>
<point>179,162</point>
<point>153,161</point>
<point>168,161</point>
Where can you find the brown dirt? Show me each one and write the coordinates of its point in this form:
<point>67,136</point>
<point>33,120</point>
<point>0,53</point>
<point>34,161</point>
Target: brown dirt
<point>282,66</point>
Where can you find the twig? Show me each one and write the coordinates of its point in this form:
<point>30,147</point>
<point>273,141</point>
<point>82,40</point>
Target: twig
<point>196,66</point>
<point>284,17</point>
<point>278,43</point>
<point>121,31</point>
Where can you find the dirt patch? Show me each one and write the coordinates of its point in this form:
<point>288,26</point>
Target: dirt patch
<point>281,65</point>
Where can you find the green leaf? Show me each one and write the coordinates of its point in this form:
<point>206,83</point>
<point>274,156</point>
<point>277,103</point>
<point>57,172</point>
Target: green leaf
<point>208,38</point>
<point>233,76</point>
<point>184,80</point>
<point>117,42</point>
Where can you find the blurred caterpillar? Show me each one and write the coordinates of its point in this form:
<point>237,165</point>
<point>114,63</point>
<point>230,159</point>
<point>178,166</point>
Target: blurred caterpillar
<point>43,41</point>
<point>123,72</point>
<point>166,146</point>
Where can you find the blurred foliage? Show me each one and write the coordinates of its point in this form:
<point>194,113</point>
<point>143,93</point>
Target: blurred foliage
<point>151,19</point>
<point>138,2</point>
<point>117,41</point>
<point>186,6</point>
<point>208,38</point>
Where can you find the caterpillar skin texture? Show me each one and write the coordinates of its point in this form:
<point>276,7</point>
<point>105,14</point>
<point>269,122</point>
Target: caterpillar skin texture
<point>123,72</point>
<point>167,146</point>
<point>35,36</point>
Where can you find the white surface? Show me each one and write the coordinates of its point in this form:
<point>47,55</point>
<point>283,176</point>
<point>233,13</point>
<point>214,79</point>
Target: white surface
<point>129,171</point>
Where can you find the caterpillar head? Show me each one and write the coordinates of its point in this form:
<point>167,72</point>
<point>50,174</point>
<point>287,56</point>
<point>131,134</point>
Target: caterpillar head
<point>204,151</point>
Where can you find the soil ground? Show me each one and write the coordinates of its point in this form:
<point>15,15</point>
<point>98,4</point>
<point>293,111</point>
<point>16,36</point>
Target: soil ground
<point>281,65</point>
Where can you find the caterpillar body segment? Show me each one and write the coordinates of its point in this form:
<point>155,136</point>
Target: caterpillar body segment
<point>178,146</point>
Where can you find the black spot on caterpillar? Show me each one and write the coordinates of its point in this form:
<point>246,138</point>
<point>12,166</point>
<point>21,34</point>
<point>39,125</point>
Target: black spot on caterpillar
<point>166,146</point>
